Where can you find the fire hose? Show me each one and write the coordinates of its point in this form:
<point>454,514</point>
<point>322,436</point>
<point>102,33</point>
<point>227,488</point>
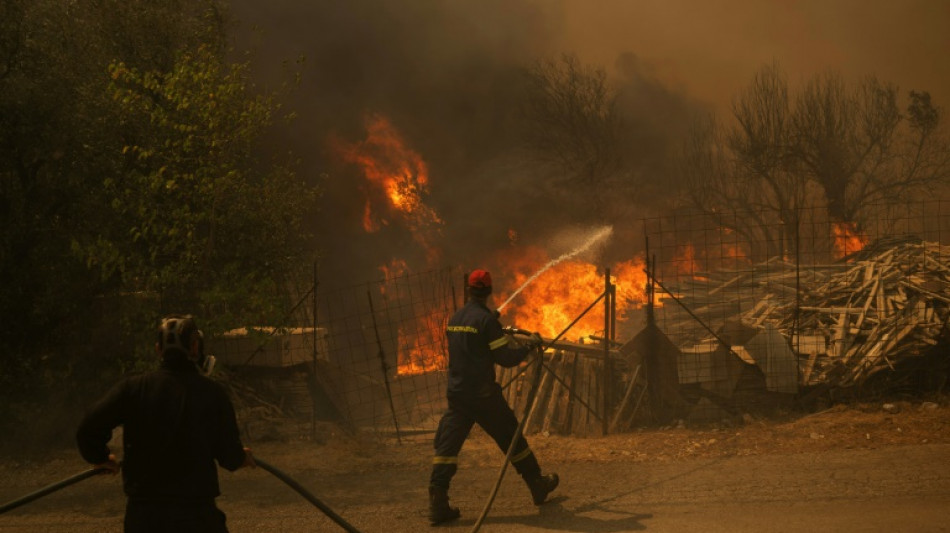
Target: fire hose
<point>290,482</point>
<point>49,489</point>
<point>531,396</point>
<point>511,447</point>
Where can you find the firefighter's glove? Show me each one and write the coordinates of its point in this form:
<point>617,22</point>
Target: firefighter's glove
<point>535,342</point>
<point>110,466</point>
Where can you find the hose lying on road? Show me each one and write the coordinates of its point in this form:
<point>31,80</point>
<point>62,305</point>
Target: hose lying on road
<point>307,495</point>
<point>532,392</point>
<point>263,464</point>
<point>511,448</point>
<point>51,488</point>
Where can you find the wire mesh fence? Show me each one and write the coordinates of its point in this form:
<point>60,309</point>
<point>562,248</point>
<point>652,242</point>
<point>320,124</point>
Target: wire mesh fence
<point>764,313</point>
<point>747,315</point>
<point>375,360</point>
<point>386,348</point>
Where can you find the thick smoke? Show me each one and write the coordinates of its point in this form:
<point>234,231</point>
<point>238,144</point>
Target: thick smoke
<point>446,74</point>
<point>450,77</point>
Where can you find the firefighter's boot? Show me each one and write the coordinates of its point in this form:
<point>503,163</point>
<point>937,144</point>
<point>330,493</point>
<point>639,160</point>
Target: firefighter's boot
<point>439,510</point>
<point>541,486</point>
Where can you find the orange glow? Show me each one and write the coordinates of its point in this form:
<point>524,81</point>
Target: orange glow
<point>420,341</point>
<point>559,295</point>
<point>685,260</point>
<point>422,350</point>
<point>725,255</point>
<point>397,180</point>
<point>547,305</point>
<point>395,269</point>
<point>847,239</point>
<point>396,183</point>
<point>370,224</point>
<point>734,252</point>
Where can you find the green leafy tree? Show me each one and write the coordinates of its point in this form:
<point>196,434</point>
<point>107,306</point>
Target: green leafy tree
<point>194,214</point>
<point>132,182</point>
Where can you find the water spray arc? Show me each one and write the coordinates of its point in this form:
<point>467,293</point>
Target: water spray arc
<point>597,236</point>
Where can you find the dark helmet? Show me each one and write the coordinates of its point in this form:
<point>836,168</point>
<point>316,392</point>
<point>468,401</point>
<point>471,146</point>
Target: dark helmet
<point>175,336</point>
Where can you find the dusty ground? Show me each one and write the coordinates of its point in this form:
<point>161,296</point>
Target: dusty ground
<point>849,468</point>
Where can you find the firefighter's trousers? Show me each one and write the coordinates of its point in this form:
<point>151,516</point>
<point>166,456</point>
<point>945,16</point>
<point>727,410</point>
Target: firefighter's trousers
<point>493,415</point>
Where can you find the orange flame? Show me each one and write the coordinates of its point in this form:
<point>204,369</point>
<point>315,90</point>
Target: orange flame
<point>422,350</point>
<point>395,269</point>
<point>725,255</point>
<point>731,254</point>
<point>397,179</point>
<point>420,346</point>
<point>684,260</point>
<point>547,305</point>
<point>559,295</point>
<point>734,253</point>
<point>847,239</point>
<point>370,223</point>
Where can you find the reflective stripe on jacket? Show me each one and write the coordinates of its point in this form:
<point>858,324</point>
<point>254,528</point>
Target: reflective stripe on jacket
<point>476,344</point>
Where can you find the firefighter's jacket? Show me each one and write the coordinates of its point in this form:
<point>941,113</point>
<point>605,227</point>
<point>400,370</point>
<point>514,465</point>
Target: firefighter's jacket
<point>176,423</point>
<point>476,344</point>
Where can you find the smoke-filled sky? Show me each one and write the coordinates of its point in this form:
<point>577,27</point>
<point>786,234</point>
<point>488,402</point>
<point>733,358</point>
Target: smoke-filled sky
<point>447,76</point>
<point>711,47</point>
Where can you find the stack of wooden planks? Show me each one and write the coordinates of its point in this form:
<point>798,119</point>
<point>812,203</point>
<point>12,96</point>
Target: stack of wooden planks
<point>853,319</point>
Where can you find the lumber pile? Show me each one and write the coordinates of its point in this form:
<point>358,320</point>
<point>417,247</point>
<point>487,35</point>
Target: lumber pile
<point>855,318</point>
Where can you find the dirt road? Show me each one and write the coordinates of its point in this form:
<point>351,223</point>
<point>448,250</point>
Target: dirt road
<point>890,489</point>
<point>893,489</point>
<point>721,481</point>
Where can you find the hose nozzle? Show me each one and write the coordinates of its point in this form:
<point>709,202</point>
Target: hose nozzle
<point>512,330</point>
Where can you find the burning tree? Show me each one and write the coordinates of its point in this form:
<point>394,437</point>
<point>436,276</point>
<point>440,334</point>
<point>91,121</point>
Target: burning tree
<point>844,147</point>
<point>395,185</point>
<point>858,147</point>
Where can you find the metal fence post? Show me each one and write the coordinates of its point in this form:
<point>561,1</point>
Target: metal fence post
<point>384,367</point>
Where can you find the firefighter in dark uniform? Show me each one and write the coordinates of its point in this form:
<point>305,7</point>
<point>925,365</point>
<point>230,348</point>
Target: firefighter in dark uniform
<point>176,424</point>
<point>476,344</point>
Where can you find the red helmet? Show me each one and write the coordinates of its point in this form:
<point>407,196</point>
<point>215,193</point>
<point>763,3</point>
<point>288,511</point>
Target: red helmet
<point>479,283</point>
<point>479,279</point>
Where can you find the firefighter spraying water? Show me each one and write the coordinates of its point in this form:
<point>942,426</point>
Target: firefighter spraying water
<point>477,343</point>
<point>599,235</point>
